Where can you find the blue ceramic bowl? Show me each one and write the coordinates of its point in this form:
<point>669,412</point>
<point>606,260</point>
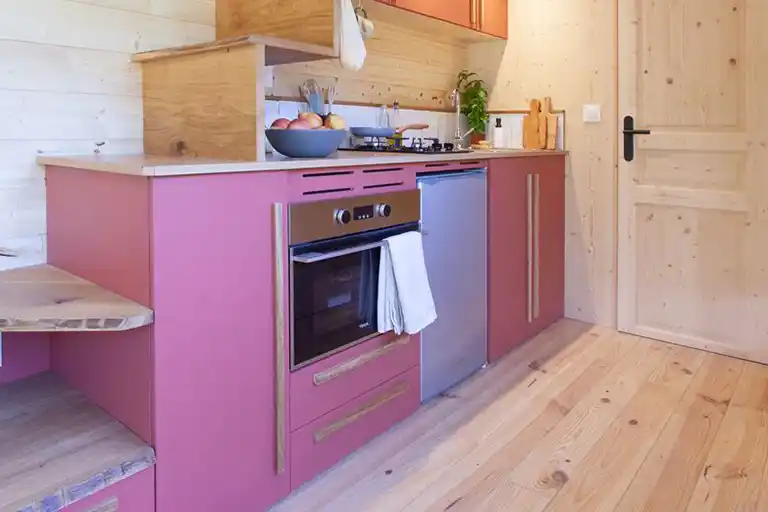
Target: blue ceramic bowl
<point>306,143</point>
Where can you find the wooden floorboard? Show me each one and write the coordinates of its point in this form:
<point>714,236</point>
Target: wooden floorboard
<point>581,418</point>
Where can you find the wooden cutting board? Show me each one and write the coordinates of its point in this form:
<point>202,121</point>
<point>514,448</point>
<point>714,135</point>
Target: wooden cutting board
<point>548,123</point>
<point>531,126</point>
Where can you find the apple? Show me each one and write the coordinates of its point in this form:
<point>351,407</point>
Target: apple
<point>299,124</point>
<point>314,120</point>
<point>280,124</point>
<point>335,122</point>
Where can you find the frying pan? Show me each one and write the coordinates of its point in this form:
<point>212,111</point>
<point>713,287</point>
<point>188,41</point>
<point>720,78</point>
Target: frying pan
<point>365,131</point>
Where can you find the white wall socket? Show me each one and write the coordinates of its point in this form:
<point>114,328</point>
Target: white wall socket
<point>592,113</point>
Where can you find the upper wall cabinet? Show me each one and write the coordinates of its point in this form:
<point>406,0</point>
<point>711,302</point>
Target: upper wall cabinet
<point>306,21</point>
<point>485,16</point>
<point>492,17</point>
<point>315,21</point>
<point>459,12</point>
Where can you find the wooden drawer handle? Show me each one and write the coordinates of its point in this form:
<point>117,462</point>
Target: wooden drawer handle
<point>110,505</point>
<point>395,392</point>
<point>353,364</point>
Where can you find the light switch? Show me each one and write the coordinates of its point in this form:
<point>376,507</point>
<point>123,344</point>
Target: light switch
<point>592,114</point>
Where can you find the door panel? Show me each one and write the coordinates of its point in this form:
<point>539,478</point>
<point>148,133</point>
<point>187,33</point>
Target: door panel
<point>693,204</point>
<point>508,324</point>
<point>551,253</point>
<point>493,17</point>
<point>454,11</point>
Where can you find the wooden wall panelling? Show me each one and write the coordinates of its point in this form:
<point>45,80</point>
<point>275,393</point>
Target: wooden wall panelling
<point>415,68</point>
<point>66,84</point>
<point>307,21</point>
<point>206,104</point>
<point>565,49</point>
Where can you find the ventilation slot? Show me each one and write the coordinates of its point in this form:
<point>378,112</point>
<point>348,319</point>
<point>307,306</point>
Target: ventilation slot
<point>388,169</point>
<point>440,164</point>
<point>326,191</point>
<point>470,163</point>
<point>324,174</point>
<point>384,185</point>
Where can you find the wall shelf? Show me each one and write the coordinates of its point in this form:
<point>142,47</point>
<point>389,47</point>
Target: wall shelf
<point>57,448</point>
<point>44,298</point>
<point>277,51</point>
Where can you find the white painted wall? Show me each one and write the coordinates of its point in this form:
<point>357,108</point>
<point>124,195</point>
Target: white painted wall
<point>67,83</point>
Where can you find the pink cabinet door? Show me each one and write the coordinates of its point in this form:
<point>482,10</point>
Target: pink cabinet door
<point>551,240</point>
<point>507,256</point>
<point>215,343</point>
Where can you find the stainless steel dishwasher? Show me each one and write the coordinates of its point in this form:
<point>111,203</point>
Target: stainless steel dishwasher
<point>453,222</point>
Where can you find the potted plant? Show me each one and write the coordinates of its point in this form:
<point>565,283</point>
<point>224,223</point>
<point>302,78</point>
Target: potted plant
<point>474,98</point>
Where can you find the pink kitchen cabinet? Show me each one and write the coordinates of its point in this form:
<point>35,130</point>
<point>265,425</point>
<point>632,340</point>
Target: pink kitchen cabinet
<point>507,257</point>
<point>526,239</point>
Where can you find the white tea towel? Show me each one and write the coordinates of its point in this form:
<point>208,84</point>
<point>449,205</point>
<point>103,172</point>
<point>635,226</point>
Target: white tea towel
<point>405,297</point>
<point>351,48</point>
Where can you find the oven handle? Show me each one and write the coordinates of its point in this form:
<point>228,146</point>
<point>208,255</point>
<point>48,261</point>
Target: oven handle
<point>314,257</point>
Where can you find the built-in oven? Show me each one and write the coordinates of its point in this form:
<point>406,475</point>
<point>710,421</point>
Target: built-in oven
<point>335,250</point>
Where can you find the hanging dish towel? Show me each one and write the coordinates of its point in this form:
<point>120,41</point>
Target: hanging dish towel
<point>405,299</point>
<point>352,48</point>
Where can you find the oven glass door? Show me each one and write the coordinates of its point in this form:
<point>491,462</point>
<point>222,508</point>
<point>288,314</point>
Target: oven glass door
<point>334,294</point>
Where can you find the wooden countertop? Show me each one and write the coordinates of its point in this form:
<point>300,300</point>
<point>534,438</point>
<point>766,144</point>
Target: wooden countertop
<point>148,165</point>
<point>45,298</point>
<point>58,447</point>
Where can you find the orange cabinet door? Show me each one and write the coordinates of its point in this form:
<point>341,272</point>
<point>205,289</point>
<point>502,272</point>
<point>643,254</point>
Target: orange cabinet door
<point>454,11</point>
<point>493,17</point>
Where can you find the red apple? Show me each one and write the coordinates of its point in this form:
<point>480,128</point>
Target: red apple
<point>281,123</point>
<point>299,124</point>
<point>314,120</point>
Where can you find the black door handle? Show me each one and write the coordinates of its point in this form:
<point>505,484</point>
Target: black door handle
<point>629,137</point>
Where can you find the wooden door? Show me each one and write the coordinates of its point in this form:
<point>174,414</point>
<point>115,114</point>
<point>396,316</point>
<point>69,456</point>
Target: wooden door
<point>693,204</point>
<point>493,17</point>
<point>454,11</point>
<point>508,303</point>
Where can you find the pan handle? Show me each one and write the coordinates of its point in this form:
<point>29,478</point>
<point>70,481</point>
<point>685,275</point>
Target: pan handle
<point>412,126</point>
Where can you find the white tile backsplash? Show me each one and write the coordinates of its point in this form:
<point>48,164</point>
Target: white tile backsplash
<point>442,125</point>
<point>513,129</point>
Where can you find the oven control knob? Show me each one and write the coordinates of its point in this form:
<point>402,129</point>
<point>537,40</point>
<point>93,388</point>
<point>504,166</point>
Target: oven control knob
<point>383,210</point>
<point>342,217</point>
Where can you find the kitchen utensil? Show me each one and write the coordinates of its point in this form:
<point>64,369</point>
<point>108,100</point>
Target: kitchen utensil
<point>367,131</point>
<point>551,123</point>
<point>331,97</point>
<point>305,143</point>
<point>531,123</point>
<point>314,95</point>
<point>366,25</point>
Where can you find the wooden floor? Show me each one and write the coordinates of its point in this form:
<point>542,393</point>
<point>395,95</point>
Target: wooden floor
<point>580,419</point>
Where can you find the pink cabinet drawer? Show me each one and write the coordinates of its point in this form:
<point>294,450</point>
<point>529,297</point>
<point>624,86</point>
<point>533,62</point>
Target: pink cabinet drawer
<point>134,494</point>
<point>320,444</point>
<point>332,382</point>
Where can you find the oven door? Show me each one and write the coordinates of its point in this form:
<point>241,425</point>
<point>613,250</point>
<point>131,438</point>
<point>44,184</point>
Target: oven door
<point>334,293</point>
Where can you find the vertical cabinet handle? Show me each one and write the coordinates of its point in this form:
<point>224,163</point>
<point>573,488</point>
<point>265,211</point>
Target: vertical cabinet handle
<point>279,269</point>
<point>481,18</point>
<point>473,13</point>
<point>536,244</point>
<point>529,244</point>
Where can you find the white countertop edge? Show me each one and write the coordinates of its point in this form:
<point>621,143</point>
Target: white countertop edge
<point>157,166</point>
